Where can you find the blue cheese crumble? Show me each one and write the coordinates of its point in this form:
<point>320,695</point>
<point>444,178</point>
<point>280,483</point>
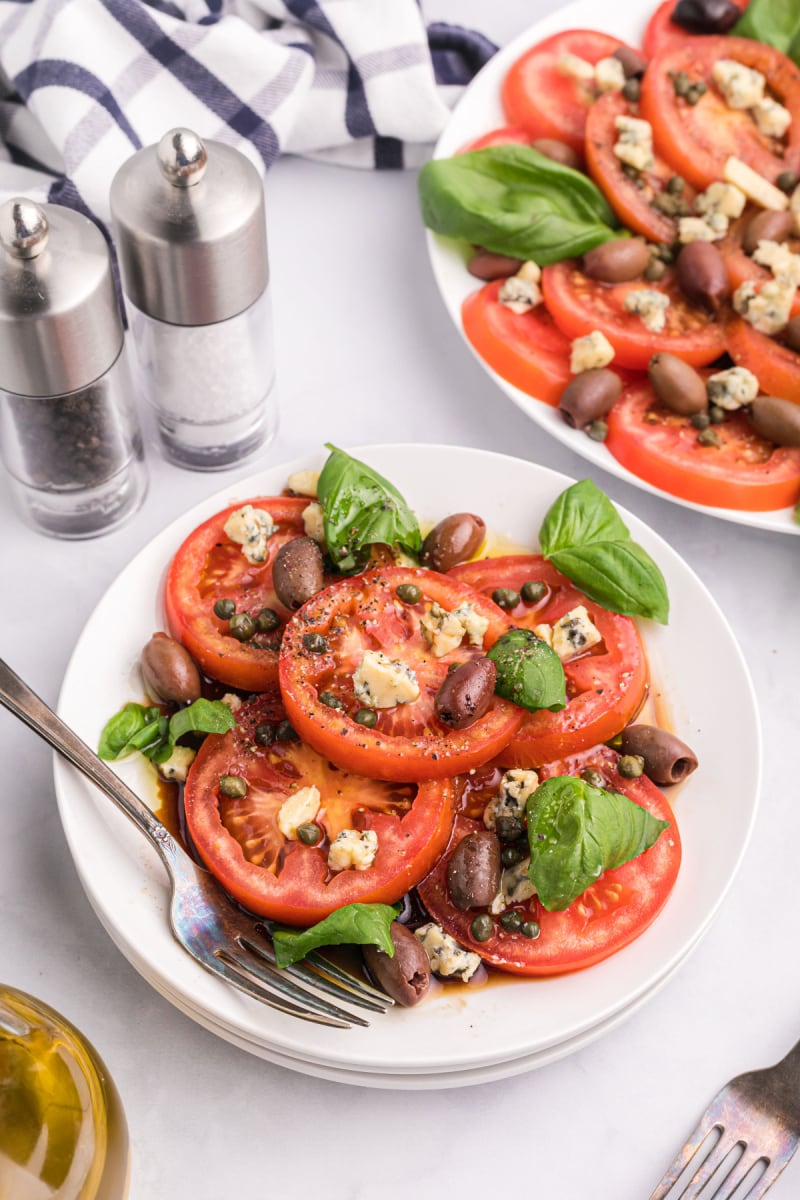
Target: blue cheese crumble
<point>732,389</point>
<point>382,682</point>
<point>353,849</point>
<point>300,808</point>
<point>444,631</point>
<point>251,528</point>
<point>515,788</point>
<point>446,957</point>
<point>650,305</point>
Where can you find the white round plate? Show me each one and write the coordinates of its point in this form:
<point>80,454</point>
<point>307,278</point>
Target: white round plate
<point>460,1028</point>
<point>480,110</point>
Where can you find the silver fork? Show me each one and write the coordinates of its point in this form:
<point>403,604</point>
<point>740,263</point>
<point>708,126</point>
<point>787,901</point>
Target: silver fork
<point>745,1138</point>
<point>222,938</point>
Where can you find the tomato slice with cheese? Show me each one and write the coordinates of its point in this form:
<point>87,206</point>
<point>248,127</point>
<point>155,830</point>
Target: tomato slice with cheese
<point>775,366</point>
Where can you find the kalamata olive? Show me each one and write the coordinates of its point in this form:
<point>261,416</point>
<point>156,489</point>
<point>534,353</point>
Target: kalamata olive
<point>560,152</point>
<point>488,266</point>
<point>792,334</point>
<point>297,572</point>
<point>767,226</point>
<point>589,395</point>
<point>169,671</point>
<point>776,420</point>
<point>455,539</point>
<point>405,977</point>
<point>702,276</point>
<point>466,693</point>
<point>706,16</point>
<point>474,870</point>
<point>666,758</point>
<point>617,261</point>
<point>633,64</point>
<point>677,385</point>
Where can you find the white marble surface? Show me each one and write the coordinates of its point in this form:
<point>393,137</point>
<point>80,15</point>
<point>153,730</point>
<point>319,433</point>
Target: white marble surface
<point>366,353</point>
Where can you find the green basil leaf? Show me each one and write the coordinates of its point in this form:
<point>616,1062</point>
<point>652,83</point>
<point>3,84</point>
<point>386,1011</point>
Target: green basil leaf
<point>576,832</point>
<point>362,509</point>
<point>582,513</point>
<point>513,200</point>
<point>352,925</point>
<point>125,729</point>
<point>529,672</point>
<point>774,22</point>
<point>202,716</point>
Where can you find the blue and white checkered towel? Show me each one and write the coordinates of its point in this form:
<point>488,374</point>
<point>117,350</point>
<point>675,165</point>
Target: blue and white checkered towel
<point>85,83</point>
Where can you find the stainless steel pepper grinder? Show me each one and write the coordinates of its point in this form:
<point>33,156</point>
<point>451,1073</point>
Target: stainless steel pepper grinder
<point>68,429</point>
<point>190,229</point>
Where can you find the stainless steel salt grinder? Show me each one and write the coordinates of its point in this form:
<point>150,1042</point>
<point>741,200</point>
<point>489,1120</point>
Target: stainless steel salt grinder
<point>69,435</point>
<point>191,234</point>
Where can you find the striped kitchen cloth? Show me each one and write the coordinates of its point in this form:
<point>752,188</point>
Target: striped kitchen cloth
<point>85,83</point>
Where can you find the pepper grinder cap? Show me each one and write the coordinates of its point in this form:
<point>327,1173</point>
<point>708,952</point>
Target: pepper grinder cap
<point>60,326</point>
<point>190,230</point>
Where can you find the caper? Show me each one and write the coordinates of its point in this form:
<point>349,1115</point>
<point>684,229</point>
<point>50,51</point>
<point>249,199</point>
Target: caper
<point>716,415</point>
<point>787,181</point>
<point>242,627</point>
<point>675,185</point>
<point>655,270</point>
<point>233,786</point>
<point>511,855</point>
<point>630,766</point>
<point>511,921</point>
<point>409,593</point>
<point>680,82</point>
<point>631,90</point>
<point>265,734</point>
<point>330,700</point>
<point>505,597</point>
<point>700,420</point>
<point>709,437</point>
<point>598,431</point>
<point>695,92</point>
<point>315,643</point>
<point>533,591</point>
<point>224,609</point>
<point>509,829</point>
<point>267,620</point>
<point>309,833</point>
<point>367,717</point>
<point>530,929</point>
<point>482,927</point>
<point>286,732</point>
<point>593,777</point>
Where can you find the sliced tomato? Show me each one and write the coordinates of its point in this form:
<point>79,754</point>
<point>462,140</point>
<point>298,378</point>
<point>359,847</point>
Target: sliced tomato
<point>740,266</point>
<point>605,687</point>
<point>776,367</point>
<point>663,34</point>
<point>526,349</point>
<point>580,305</point>
<point>546,102</point>
<point>409,741</point>
<point>506,135</point>
<point>631,199</point>
<point>744,472</point>
<point>609,915</point>
<point>209,567</point>
<point>696,140</point>
<point>242,845</point>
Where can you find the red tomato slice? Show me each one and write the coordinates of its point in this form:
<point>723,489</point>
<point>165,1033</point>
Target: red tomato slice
<point>745,472</point>
<point>579,305</point>
<point>208,567</point>
<point>241,844</point>
<point>698,139</point>
<point>632,200</point>
<point>538,97</point>
<point>741,267</point>
<point>526,349</point>
<point>506,135</point>
<point>776,367</point>
<point>408,742</point>
<point>609,915</point>
<point>605,687</point>
<point>662,34</point>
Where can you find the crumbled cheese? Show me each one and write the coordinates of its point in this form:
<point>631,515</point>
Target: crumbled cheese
<point>530,271</point>
<point>784,265</point>
<point>251,528</point>
<point>445,955</point>
<point>520,295</point>
<point>574,633</point>
<point>515,883</point>
<point>741,87</point>
<point>380,682</point>
<point>732,389</point>
<point>515,788</point>
<point>300,808</point>
<point>724,198</point>
<point>575,67</point>
<point>771,118</point>
<point>314,523</point>
<point>475,625</point>
<point>650,305</point>
<point>767,310</point>
<point>233,701</point>
<point>609,75</point>
<point>593,350</point>
<point>700,229</point>
<point>353,848</point>
<point>545,633</point>
<point>634,145</point>
<point>755,186</point>
<point>175,768</point>
<point>444,631</point>
<point>498,905</point>
<point>304,483</point>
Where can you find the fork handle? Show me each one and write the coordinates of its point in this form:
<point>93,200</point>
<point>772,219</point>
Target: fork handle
<point>19,699</point>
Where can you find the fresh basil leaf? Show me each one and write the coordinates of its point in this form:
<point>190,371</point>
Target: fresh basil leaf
<point>513,200</point>
<point>584,536</point>
<point>576,832</point>
<point>202,716</point>
<point>123,731</point>
<point>529,672</point>
<point>775,22</point>
<point>352,925</point>
<point>154,735</point>
<point>362,509</point>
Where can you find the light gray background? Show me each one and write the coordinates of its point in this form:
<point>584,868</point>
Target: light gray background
<point>366,353</point>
